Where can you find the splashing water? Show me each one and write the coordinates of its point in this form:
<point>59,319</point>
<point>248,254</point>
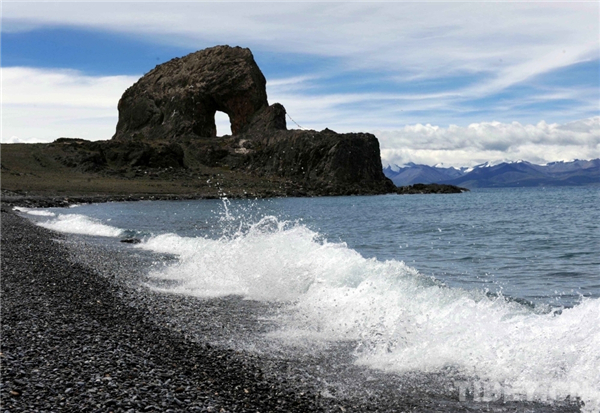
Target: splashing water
<point>37,212</point>
<point>400,320</point>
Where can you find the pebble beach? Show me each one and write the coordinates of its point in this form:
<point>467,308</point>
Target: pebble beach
<point>70,343</point>
<point>77,337</point>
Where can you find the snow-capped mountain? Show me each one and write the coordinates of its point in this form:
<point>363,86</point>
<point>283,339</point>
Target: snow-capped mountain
<point>419,174</point>
<point>499,174</point>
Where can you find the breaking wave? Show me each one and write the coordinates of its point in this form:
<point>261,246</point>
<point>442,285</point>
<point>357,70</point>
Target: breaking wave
<point>35,211</point>
<point>400,320</point>
<point>81,224</point>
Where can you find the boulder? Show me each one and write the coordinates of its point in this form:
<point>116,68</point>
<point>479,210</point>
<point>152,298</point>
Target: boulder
<point>328,162</point>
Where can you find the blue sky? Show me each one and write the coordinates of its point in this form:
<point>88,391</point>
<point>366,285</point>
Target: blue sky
<point>446,82</point>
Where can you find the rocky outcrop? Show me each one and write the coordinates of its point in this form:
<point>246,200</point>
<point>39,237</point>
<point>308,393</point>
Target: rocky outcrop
<point>174,106</point>
<point>331,163</point>
<point>430,189</point>
<point>88,156</point>
<point>180,97</point>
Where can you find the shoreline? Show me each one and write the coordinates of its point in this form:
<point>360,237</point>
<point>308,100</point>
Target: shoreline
<point>63,201</point>
<point>74,339</point>
<point>70,342</point>
<point>12,199</point>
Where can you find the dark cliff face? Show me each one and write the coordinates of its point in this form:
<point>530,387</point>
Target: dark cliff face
<point>337,163</point>
<point>175,104</point>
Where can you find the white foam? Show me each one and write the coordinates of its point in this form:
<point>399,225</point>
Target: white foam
<point>263,264</point>
<point>401,320</point>
<point>490,339</point>
<point>81,224</point>
<point>37,212</point>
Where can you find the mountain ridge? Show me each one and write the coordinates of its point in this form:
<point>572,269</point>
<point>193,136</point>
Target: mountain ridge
<point>503,174</point>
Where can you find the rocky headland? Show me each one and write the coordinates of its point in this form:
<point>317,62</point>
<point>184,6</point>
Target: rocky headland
<point>176,104</point>
<point>166,145</point>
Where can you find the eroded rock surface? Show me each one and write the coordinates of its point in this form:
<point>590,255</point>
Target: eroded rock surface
<point>166,143</point>
<point>180,97</point>
<point>336,164</point>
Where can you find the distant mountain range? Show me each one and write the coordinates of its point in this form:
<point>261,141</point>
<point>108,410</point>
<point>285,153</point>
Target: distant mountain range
<point>499,174</point>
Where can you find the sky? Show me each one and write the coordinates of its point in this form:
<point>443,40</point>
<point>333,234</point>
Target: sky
<point>458,83</point>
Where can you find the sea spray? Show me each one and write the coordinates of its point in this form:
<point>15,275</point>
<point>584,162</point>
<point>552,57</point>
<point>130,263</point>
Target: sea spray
<point>400,320</point>
<point>251,263</point>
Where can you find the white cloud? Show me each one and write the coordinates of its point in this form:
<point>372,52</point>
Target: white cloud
<point>223,124</point>
<point>349,112</point>
<point>509,42</point>
<point>41,105</point>
<point>480,142</point>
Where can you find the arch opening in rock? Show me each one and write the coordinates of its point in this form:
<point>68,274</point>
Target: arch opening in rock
<point>223,123</point>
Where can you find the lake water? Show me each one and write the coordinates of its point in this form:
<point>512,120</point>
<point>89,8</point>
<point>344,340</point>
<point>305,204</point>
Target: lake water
<point>501,285</point>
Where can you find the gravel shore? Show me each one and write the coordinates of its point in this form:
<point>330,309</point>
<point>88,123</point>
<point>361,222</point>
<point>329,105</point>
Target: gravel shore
<point>77,337</point>
<point>69,343</point>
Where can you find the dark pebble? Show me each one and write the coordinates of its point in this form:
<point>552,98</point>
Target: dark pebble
<point>131,240</point>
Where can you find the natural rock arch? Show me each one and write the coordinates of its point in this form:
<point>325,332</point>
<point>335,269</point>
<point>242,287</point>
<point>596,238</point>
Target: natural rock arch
<point>170,114</point>
<point>181,97</point>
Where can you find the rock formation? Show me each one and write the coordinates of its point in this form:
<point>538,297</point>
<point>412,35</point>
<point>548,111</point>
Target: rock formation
<point>181,96</point>
<point>166,143</point>
<point>340,164</point>
<point>175,104</point>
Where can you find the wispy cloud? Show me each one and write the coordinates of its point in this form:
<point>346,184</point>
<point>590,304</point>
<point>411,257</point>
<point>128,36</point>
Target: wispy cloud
<point>510,41</point>
<point>41,105</point>
<point>345,112</point>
